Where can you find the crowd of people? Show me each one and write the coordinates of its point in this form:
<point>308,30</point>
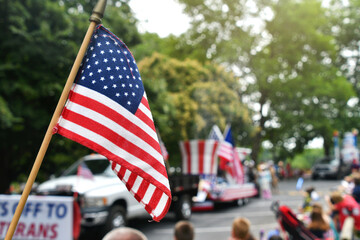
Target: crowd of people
<point>183,230</point>
<point>342,203</point>
<point>266,178</point>
<point>324,221</point>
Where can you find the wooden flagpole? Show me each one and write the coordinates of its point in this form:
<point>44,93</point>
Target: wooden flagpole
<point>95,18</point>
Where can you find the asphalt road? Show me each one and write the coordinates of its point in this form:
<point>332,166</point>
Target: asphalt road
<point>216,224</point>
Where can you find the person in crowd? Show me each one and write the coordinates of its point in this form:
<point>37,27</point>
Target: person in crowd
<point>355,167</point>
<point>343,206</point>
<point>241,229</point>
<point>281,170</point>
<point>289,173</point>
<point>319,223</point>
<point>265,180</point>
<point>274,235</point>
<point>307,204</point>
<point>274,179</point>
<point>253,176</point>
<point>184,230</point>
<point>124,233</point>
<point>347,184</point>
<point>356,189</point>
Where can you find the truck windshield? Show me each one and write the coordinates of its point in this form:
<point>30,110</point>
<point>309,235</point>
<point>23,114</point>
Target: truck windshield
<point>96,166</point>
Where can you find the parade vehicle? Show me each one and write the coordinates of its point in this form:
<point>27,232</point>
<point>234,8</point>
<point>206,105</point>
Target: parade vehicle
<point>344,159</point>
<point>330,167</point>
<point>215,186</point>
<point>104,201</point>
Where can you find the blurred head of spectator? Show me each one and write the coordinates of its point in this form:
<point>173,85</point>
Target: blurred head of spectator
<point>241,229</point>
<point>124,233</point>
<point>184,230</point>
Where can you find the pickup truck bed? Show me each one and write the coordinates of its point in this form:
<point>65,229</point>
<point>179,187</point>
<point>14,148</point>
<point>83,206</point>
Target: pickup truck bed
<point>183,189</point>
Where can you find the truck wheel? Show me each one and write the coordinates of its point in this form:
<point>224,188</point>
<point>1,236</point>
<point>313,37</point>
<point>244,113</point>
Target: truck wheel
<point>238,202</point>
<point>116,218</point>
<point>183,208</point>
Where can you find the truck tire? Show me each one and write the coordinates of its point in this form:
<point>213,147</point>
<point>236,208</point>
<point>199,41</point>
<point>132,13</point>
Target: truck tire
<point>238,202</point>
<point>183,208</point>
<point>116,218</point>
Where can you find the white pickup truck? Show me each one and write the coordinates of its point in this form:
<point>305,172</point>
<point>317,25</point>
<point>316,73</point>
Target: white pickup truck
<point>104,199</point>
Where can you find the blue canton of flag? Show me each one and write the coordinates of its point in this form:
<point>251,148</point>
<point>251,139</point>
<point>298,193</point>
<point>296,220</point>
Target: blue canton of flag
<point>112,71</point>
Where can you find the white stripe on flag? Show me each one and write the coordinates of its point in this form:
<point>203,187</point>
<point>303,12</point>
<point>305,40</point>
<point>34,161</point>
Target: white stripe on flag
<point>114,127</point>
<point>131,159</point>
<point>208,156</point>
<point>137,184</point>
<point>149,192</point>
<point>184,157</point>
<point>163,200</point>
<point>118,108</point>
<point>194,156</point>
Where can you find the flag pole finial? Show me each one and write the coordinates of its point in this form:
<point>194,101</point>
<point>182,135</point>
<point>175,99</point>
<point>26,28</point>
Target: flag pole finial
<point>98,12</point>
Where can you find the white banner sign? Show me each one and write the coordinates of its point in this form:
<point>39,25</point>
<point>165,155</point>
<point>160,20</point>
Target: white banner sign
<point>43,217</point>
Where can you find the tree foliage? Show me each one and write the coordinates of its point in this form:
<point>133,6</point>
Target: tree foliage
<point>288,61</point>
<point>188,98</point>
<point>38,45</point>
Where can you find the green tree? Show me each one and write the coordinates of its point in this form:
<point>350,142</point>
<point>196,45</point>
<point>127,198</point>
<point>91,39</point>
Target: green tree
<point>38,45</point>
<point>172,46</point>
<point>187,98</point>
<point>310,87</point>
<point>307,158</point>
<point>345,20</point>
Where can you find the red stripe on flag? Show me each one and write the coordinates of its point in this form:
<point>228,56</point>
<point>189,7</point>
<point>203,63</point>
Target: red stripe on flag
<point>140,114</point>
<point>187,152</point>
<point>201,149</point>
<point>142,189</point>
<point>155,198</point>
<point>112,136</point>
<point>131,180</point>
<point>143,116</point>
<point>116,117</point>
<point>121,173</point>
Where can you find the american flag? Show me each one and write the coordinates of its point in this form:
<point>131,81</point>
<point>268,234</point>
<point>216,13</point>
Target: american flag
<point>198,156</point>
<point>229,156</point>
<point>84,171</point>
<point>216,134</point>
<point>108,112</point>
<point>226,148</point>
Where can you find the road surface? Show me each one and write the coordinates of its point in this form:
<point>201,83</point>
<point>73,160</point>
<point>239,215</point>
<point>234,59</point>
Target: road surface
<point>216,225</point>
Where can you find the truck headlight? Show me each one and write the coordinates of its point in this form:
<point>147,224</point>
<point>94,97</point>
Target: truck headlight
<point>95,202</point>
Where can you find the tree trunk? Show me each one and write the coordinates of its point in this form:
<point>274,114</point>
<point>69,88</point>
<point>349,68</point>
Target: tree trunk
<point>256,146</point>
<point>5,174</point>
<point>327,146</point>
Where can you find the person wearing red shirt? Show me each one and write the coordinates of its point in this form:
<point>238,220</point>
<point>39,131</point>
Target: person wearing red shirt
<point>343,206</point>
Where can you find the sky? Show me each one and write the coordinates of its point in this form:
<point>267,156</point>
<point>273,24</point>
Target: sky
<point>164,18</point>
